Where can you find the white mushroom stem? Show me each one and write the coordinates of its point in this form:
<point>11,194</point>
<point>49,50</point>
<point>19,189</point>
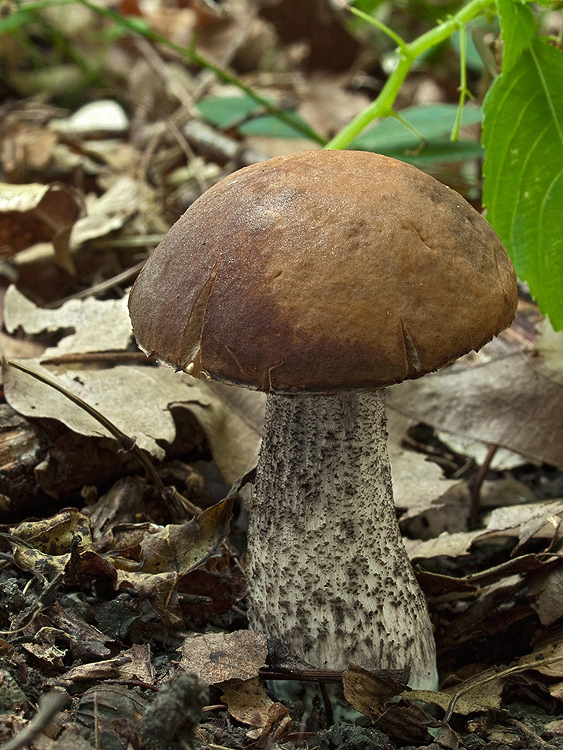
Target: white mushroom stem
<point>328,573</point>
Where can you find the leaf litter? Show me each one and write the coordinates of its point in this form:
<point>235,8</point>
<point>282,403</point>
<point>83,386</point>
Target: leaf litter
<point>112,592</point>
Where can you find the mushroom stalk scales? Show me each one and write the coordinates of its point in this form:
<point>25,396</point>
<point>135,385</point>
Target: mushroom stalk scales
<point>328,573</point>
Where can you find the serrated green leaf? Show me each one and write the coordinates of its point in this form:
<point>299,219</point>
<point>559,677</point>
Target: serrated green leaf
<point>431,121</point>
<point>518,30</point>
<point>523,189</point>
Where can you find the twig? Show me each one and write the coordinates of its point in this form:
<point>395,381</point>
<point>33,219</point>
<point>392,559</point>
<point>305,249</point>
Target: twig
<point>496,676</point>
<point>103,286</point>
<point>127,443</point>
<point>49,706</point>
<point>137,26</point>
<point>478,483</point>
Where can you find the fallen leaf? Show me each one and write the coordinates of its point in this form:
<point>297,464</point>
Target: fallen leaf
<point>38,213</point>
<point>548,592</point>
<point>369,691</point>
<point>124,198</point>
<point>99,115</point>
<point>505,402</point>
<point>88,325</point>
<point>218,657</point>
<point>169,554</point>
<point>247,701</point>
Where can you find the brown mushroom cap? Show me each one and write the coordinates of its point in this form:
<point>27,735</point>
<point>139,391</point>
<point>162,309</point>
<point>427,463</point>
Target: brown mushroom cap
<point>323,271</point>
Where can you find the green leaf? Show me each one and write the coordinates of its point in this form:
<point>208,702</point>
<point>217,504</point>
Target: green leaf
<point>243,112</point>
<point>431,121</point>
<point>523,189</point>
<point>438,151</point>
<point>270,126</point>
<point>518,29</point>
<point>15,21</point>
<point>226,111</point>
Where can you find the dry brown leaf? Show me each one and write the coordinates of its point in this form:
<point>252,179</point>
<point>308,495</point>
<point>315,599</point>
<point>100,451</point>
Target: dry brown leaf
<point>231,417</point>
<point>90,325</point>
<point>219,657</point>
<point>247,701</point>
<point>170,554</point>
<point>369,691</point>
<point>429,504</point>
<point>539,520</point>
<point>505,402</point>
<point>548,592</point>
<point>38,213</point>
<point>483,696</point>
<point>55,545</point>
<point>140,666</point>
<point>123,198</point>
<point>452,545</point>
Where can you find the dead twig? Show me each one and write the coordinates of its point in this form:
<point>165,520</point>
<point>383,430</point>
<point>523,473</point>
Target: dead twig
<point>49,706</point>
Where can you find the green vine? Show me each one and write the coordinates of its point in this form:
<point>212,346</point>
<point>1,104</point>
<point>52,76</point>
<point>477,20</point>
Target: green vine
<point>382,106</point>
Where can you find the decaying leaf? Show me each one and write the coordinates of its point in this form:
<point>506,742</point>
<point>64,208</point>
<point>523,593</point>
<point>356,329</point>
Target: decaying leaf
<point>476,694</point>
<point>170,554</point>
<point>132,664</point>
<point>505,401</point>
<point>428,503</point>
<point>219,657</point>
<point>56,546</point>
<point>547,588</point>
<point>249,703</point>
<point>89,325</point>
<point>123,199</point>
<point>373,693</point>
<point>232,421</point>
<point>370,691</point>
<point>38,213</point>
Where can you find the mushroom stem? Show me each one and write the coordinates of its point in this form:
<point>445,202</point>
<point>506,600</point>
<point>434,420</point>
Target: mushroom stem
<point>328,573</point>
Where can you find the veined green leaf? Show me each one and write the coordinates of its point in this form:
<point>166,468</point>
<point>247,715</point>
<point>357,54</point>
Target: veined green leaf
<point>431,121</point>
<point>518,30</point>
<point>523,189</point>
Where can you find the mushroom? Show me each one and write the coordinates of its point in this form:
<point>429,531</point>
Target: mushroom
<point>321,278</point>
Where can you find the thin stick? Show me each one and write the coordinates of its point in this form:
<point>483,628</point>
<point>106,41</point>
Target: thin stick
<point>49,706</point>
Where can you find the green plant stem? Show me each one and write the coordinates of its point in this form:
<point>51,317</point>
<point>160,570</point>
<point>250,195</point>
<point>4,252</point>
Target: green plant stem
<point>139,27</point>
<point>382,106</point>
<point>399,41</point>
<point>463,91</point>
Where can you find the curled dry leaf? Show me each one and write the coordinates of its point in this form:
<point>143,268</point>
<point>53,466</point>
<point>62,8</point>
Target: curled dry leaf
<point>132,664</point>
<point>54,546</point>
<point>369,691</point>
<point>219,657</point>
<point>249,703</point>
<point>124,199</point>
<point>373,693</point>
<point>38,213</point>
<point>170,554</point>
<point>428,503</point>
